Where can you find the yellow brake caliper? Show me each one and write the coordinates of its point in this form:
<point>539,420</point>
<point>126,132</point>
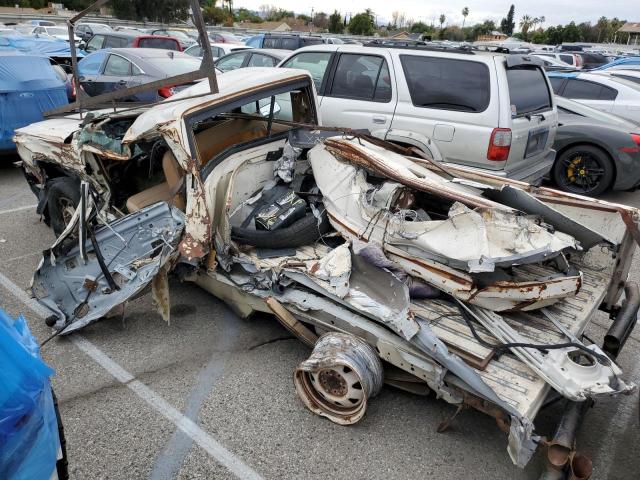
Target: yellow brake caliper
<point>571,169</point>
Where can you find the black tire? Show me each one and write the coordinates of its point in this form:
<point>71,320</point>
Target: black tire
<point>63,193</point>
<point>62,465</point>
<point>302,232</point>
<point>583,169</point>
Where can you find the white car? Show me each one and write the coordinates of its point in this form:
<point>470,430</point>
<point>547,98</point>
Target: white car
<point>606,92</point>
<point>483,110</point>
<point>217,49</point>
<point>570,58</point>
<point>630,75</point>
<point>59,33</point>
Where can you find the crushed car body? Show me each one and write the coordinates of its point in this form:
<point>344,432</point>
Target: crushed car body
<point>468,285</point>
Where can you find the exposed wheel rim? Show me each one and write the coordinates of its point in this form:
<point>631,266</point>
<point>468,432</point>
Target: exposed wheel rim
<point>339,377</point>
<point>581,172</point>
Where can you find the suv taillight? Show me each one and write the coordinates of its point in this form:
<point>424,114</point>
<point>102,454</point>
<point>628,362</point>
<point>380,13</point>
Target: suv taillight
<point>636,138</point>
<point>166,92</point>
<point>499,144</point>
<point>578,58</point>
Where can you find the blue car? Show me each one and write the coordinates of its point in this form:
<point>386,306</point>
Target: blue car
<point>29,86</point>
<point>621,62</point>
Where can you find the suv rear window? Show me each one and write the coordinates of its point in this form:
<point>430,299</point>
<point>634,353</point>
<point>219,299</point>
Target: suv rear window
<point>528,90</point>
<point>290,43</point>
<point>165,43</point>
<point>447,84</point>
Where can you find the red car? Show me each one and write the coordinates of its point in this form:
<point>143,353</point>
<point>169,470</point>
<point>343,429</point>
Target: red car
<point>131,40</point>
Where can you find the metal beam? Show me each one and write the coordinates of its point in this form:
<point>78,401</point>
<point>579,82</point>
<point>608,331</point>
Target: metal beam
<point>83,101</point>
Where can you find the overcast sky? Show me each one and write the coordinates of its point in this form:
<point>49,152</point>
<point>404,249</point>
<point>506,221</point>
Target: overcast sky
<point>555,11</point>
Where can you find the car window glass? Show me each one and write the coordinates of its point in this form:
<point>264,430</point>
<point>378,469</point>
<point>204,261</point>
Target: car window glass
<point>314,62</point>
<point>383,87</point>
<point>270,43</point>
<point>528,91</point>
<point>231,62</point>
<point>608,93</point>
<point>567,59</point>
<point>312,41</point>
<point>164,43</point>
<point>117,66</point>
<point>91,65</point>
<point>581,89</point>
<point>215,51</point>
<point>258,60</point>
<point>196,51</point>
<point>282,107</point>
<point>290,43</point>
<point>135,70</point>
<point>447,84</point>
<point>556,83</point>
<point>356,76</point>
<point>115,42</point>
<point>95,43</point>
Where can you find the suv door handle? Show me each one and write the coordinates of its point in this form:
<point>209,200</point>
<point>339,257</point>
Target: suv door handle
<point>380,119</point>
<point>122,82</point>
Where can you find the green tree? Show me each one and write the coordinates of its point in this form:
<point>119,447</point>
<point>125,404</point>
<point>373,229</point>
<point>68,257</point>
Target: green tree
<point>154,10</point>
<point>465,13</point>
<point>525,24</point>
<point>508,24</point>
<point>571,33</point>
<point>335,22</point>
<point>442,19</point>
<point>244,15</point>
<point>362,23</point>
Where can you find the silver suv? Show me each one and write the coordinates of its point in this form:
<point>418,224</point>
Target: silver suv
<point>478,109</point>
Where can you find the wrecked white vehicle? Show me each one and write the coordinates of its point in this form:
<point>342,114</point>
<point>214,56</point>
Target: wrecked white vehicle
<point>393,269</point>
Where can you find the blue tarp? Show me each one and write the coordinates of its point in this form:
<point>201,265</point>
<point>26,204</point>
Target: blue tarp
<point>28,87</point>
<point>37,46</point>
<point>29,441</point>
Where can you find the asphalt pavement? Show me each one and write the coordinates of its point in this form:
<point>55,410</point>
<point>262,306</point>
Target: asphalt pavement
<point>211,396</point>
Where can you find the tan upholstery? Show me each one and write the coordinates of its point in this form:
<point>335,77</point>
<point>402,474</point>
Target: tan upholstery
<point>162,192</point>
<point>230,132</point>
<point>157,193</point>
<point>210,143</point>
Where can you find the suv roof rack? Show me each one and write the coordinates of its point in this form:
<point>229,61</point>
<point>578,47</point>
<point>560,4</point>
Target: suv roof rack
<point>418,45</point>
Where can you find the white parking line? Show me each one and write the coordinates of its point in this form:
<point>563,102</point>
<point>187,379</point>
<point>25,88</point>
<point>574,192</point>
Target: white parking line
<point>18,209</point>
<point>226,458</point>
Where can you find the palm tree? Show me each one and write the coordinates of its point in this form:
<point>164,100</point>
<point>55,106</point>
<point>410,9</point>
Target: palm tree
<point>465,12</point>
<point>525,23</point>
<point>542,20</point>
<point>442,20</point>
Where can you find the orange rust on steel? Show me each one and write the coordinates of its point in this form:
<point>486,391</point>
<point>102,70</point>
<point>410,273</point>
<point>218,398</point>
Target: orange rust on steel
<point>350,230</point>
<point>355,156</point>
<point>433,269</point>
<point>502,419</point>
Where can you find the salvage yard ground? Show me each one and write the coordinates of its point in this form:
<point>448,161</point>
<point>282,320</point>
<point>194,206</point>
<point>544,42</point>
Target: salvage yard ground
<point>210,394</point>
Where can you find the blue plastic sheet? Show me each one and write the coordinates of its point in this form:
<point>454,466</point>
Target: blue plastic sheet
<point>29,441</point>
<point>28,87</point>
<point>37,46</point>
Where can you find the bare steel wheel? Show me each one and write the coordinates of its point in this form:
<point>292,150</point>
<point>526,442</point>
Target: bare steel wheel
<point>341,374</point>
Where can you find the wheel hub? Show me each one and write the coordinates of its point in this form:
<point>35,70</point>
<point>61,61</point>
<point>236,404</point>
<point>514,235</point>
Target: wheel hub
<point>333,383</point>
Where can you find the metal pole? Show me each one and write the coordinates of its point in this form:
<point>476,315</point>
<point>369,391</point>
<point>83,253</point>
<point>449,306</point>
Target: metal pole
<point>207,56</point>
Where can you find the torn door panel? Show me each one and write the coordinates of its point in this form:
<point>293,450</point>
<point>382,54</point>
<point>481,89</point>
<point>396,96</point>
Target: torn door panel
<point>134,249</point>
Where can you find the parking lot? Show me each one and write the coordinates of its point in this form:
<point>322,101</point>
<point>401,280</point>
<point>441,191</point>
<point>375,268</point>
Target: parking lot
<point>211,396</point>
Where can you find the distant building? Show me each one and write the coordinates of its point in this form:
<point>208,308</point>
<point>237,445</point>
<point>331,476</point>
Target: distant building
<point>404,35</point>
<point>633,29</point>
<point>494,36</point>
